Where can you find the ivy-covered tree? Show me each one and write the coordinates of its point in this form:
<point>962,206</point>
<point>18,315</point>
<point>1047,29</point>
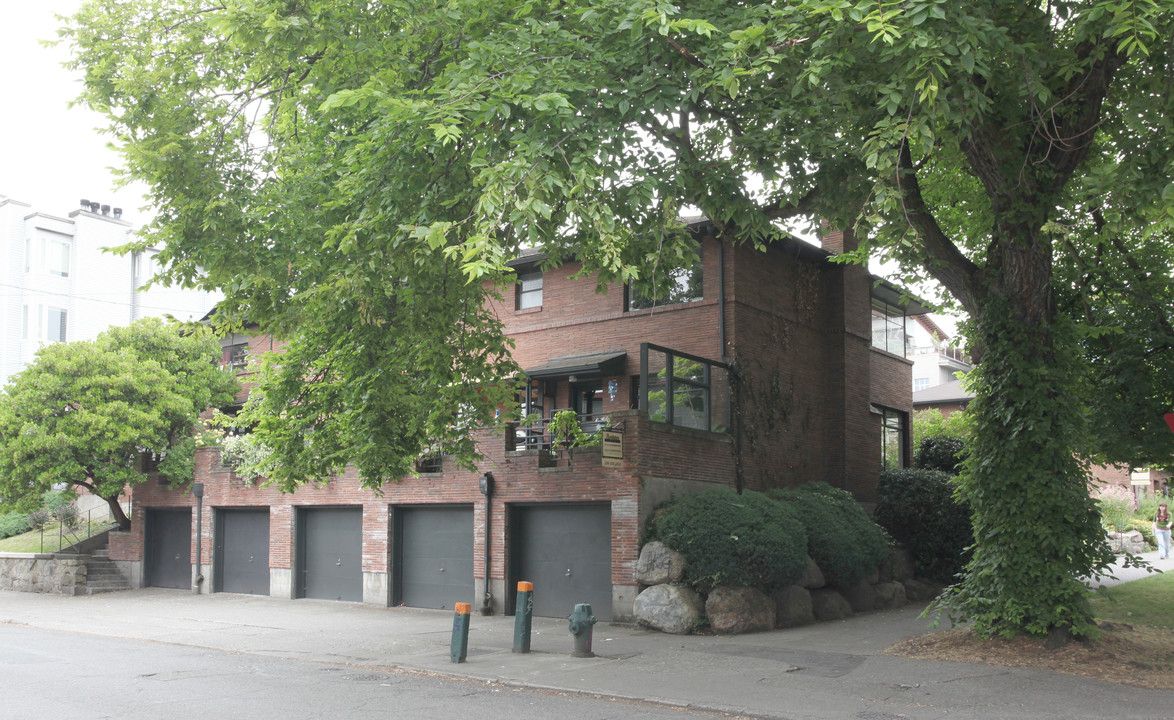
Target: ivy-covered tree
<point>351,173</point>
<point>86,413</point>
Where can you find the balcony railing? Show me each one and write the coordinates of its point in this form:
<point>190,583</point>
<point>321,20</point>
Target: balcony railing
<point>536,435</point>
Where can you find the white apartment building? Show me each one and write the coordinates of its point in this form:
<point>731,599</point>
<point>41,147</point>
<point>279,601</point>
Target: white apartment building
<point>60,284</point>
<point>935,361</point>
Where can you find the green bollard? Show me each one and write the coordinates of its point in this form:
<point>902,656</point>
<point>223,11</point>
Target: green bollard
<point>459,649</point>
<point>523,616</point>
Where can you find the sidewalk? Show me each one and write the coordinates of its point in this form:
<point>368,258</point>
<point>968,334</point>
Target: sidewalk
<point>828,670</point>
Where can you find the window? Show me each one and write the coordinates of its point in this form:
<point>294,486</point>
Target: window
<point>683,390</point>
<point>44,323</point>
<point>55,324</point>
<point>677,285</point>
<point>888,327</point>
<point>529,290</point>
<point>28,254</point>
<point>56,256</point>
<point>430,463</point>
<point>236,356</point>
<point>892,439</point>
<point>920,384</point>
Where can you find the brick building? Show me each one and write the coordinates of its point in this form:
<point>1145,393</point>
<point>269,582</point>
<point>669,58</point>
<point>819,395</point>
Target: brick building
<point>757,370</point>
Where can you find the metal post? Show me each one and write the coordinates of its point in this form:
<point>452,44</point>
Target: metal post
<point>523,617</point>
<point>459,647</point>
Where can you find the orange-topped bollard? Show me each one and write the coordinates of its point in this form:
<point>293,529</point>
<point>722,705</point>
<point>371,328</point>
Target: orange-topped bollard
<point>459,649</point>
<point>523,617</point>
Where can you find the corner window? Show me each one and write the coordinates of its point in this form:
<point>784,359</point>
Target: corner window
<point>676,285</point>
<point>529,290</point>
<point>888,327</point>
<point>56,322</point>
<point>236,356</point>
<point>683,390</point>
<point>892,439</point>
<point>57,256</point>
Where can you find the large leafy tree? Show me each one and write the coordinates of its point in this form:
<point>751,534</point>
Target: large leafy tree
<point>86,413</point>
<point>342,167</point>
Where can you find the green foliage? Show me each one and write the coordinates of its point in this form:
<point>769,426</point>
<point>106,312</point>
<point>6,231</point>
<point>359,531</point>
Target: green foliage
<point>930,423</point>
<point>732,539</point>
<point>921,510</point>
<point>248,457</point>
<point>1037,531</point>
<point>942,453</point>
<point>83,413</point>
<point>38,518</point>
<point>355,176</point>
<point>841,538</point>
<point>53,500</point>
<point>13,523</point>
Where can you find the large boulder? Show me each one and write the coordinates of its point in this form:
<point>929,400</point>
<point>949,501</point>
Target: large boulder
<point>921,590</point>
<point>792,606</point>
<point>890,595</point>
<point>735,610</point>
<point>902,565</point>
<point>860,596</point>
<point>672,609</point>
<point>812,576</point>
<point>827,604</point>
<point>659,564</point>
<point>1131,541</point>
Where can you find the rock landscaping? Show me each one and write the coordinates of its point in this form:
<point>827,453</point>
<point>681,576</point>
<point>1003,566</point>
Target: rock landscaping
<point>669,607</point>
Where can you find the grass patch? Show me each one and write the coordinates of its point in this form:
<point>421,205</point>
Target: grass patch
<point>1134,643</point>
<point>31,541</point>
<point>1149,602</point>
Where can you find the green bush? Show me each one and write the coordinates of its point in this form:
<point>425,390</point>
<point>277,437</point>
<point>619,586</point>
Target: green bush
<point>920,510</point>
<point>53,500</point>
<point>38,518</point>
<point>841,538</point>
<point>13,524</point>
<point>732,539</point>
<point>941,452</point>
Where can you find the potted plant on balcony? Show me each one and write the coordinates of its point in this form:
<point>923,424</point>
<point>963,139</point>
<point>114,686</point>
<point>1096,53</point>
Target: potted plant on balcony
<point>567,432</point>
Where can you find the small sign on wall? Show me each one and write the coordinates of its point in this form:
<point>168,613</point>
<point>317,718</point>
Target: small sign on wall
<point>612,444</point>
<point>1139,476</point>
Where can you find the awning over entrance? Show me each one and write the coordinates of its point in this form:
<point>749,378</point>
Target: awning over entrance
<point>595,364</point>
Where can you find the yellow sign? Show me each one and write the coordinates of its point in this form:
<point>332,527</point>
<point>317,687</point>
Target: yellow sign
<point>613,448</point>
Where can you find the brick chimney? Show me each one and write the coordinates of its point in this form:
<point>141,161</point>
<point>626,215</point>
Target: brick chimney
<point>837,242</point>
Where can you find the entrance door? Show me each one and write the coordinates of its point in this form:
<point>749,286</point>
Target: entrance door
<point>242,551</point>
<point>330,553</point>
<point>434,551</point>
<point>169,548</point>
<point>565,550</point>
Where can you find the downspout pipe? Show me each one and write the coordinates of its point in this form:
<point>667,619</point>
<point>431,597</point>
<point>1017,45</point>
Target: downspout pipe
<point>736,410</point>
<point>487,491</point>
<point>198,492</point>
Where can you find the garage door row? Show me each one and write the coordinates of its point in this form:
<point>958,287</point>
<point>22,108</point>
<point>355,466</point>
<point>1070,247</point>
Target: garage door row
<point>565,550</point>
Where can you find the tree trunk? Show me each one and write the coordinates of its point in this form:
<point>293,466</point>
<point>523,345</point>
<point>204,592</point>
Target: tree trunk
<point>116,512</point>
<point>1037,531</point>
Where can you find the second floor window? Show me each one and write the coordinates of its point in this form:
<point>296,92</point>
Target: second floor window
<point>236,356</point>
<point>888,327</point>
<point>678,285</point>
<point>920,384</point>
<point>529,290</point>
<point>46,323</point>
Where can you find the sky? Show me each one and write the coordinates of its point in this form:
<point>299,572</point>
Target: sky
<point>52,155</point>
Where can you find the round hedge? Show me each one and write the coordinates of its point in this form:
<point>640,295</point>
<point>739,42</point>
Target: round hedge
<point>920,510</point>
<point>732,539</point>
<point>841,538</point>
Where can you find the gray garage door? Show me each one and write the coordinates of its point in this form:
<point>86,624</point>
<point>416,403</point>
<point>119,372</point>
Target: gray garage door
<point>434,552</point>
<point>168,540</point>
<point>242,551</point>
<point>330,553</point>
<point>565,550</point>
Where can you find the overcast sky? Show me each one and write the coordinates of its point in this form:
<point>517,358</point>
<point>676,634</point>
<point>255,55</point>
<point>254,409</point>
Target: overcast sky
<point>52,155</point>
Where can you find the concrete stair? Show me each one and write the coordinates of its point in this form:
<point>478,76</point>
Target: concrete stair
<point>102,575</point>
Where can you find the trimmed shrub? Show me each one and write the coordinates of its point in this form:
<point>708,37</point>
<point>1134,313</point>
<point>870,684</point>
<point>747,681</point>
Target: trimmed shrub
<point>941,452</point>
<point>841,538</point>
<point>38,518</point>
<point>732,539</point>
<point>13,524</point>
<point>920,510</point>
